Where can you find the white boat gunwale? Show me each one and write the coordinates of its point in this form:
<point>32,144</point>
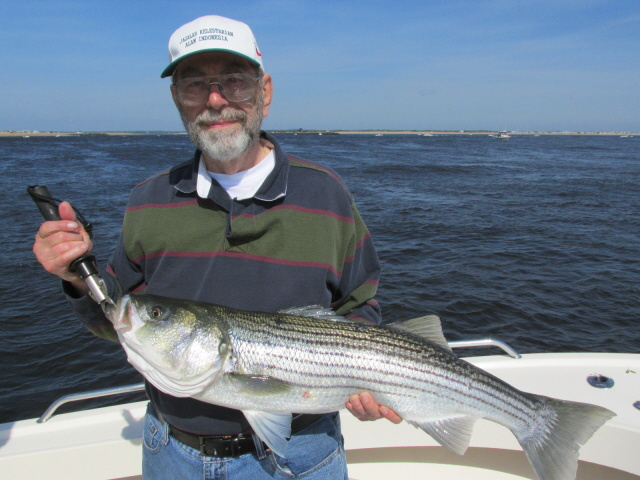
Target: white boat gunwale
<point>84,444</point>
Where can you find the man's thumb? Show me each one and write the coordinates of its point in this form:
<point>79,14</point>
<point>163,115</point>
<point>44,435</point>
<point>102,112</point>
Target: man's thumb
<point>66,211</point>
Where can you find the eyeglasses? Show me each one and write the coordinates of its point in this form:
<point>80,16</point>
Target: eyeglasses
<point>235,87</point>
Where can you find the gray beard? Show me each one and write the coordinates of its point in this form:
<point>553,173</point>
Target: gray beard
<point>225,146</point>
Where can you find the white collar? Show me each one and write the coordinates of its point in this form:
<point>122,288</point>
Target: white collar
<point>241,185</point>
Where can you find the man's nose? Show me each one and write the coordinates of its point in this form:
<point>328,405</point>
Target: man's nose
<point>216,100</point>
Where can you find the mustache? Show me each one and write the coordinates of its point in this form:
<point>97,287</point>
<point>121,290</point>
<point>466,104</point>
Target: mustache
<point>209,117</point>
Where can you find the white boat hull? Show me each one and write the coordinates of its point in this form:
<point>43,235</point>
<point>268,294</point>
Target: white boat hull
<point>383,450</point>
<point>105,443</point>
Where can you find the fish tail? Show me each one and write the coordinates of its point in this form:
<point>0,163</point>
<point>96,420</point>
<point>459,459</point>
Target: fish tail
<point>552,445</point>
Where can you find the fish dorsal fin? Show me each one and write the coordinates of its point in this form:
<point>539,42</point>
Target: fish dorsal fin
<point>315,311</point>
<point>273,428</point>
<point>452,433</point>
<point>427,327</point>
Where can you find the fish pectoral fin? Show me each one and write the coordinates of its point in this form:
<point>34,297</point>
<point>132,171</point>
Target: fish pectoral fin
<point>428,327</point>
<point>452,433</point>
<point>259,385</point>
<point>274,429</point>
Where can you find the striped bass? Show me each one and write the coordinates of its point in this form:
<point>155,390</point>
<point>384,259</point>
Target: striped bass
<point>308,360</point>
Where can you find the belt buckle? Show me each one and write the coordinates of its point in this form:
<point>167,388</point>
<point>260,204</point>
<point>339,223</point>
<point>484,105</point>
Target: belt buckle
<point>227,446</point>
<point>210,446</point>
<point>203,447</point>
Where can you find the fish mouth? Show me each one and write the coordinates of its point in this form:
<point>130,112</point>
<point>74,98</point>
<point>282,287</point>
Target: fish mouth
<point>122,320</point>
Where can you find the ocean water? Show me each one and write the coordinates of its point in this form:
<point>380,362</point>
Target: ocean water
<point>534,241</point>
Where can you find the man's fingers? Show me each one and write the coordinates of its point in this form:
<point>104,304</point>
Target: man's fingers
<point>355,406</point>
<point>390,415</point>
<point>365,408</point>
<point>66,212</point>
<point>371,408</point>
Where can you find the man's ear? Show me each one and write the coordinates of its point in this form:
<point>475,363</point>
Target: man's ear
<point>267,92</point>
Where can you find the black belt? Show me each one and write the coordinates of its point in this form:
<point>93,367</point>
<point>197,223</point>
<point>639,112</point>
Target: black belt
<point>232,445</point>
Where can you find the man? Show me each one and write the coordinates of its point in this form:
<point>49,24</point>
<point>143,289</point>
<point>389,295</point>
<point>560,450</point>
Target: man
<point>241,225</point>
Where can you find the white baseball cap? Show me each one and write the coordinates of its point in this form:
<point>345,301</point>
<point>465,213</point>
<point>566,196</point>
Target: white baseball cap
<point>212,33</point>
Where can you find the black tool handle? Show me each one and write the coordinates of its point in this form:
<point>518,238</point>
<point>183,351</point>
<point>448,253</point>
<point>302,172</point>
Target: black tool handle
<point>44,201</point>
<point>84,265</point>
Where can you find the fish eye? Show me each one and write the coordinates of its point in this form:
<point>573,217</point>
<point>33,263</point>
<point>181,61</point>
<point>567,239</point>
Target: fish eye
<point>156,312</point>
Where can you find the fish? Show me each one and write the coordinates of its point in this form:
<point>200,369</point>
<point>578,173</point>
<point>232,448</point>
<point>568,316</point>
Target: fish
<point>310,360</point>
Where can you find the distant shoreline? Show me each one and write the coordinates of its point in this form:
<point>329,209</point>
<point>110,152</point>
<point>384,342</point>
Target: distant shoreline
<point>26,134</point>
<point>471,132</point>
<point>12,133</point>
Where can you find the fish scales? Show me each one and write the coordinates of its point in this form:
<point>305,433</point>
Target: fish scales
<point>308,361</point>
<point>343,352</point>
<point>312,345</point>
<point>302,340</point>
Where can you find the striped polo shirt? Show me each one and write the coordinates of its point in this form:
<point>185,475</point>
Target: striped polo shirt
<point>298,241</point>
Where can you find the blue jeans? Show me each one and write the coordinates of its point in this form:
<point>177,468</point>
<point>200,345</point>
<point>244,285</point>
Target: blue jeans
<point>314,453</point>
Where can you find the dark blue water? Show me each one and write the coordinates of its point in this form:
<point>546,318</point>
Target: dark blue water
<point>534,240</point>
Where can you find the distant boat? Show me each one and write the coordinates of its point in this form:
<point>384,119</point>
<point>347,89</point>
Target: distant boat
<point>503,135</point>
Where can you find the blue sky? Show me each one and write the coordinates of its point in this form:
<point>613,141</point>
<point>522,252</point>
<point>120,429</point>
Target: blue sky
<point>455,64</point>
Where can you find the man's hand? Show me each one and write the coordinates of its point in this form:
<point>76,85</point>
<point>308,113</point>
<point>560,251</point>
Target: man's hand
<point>365,408</point>
<point>59,242</point>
